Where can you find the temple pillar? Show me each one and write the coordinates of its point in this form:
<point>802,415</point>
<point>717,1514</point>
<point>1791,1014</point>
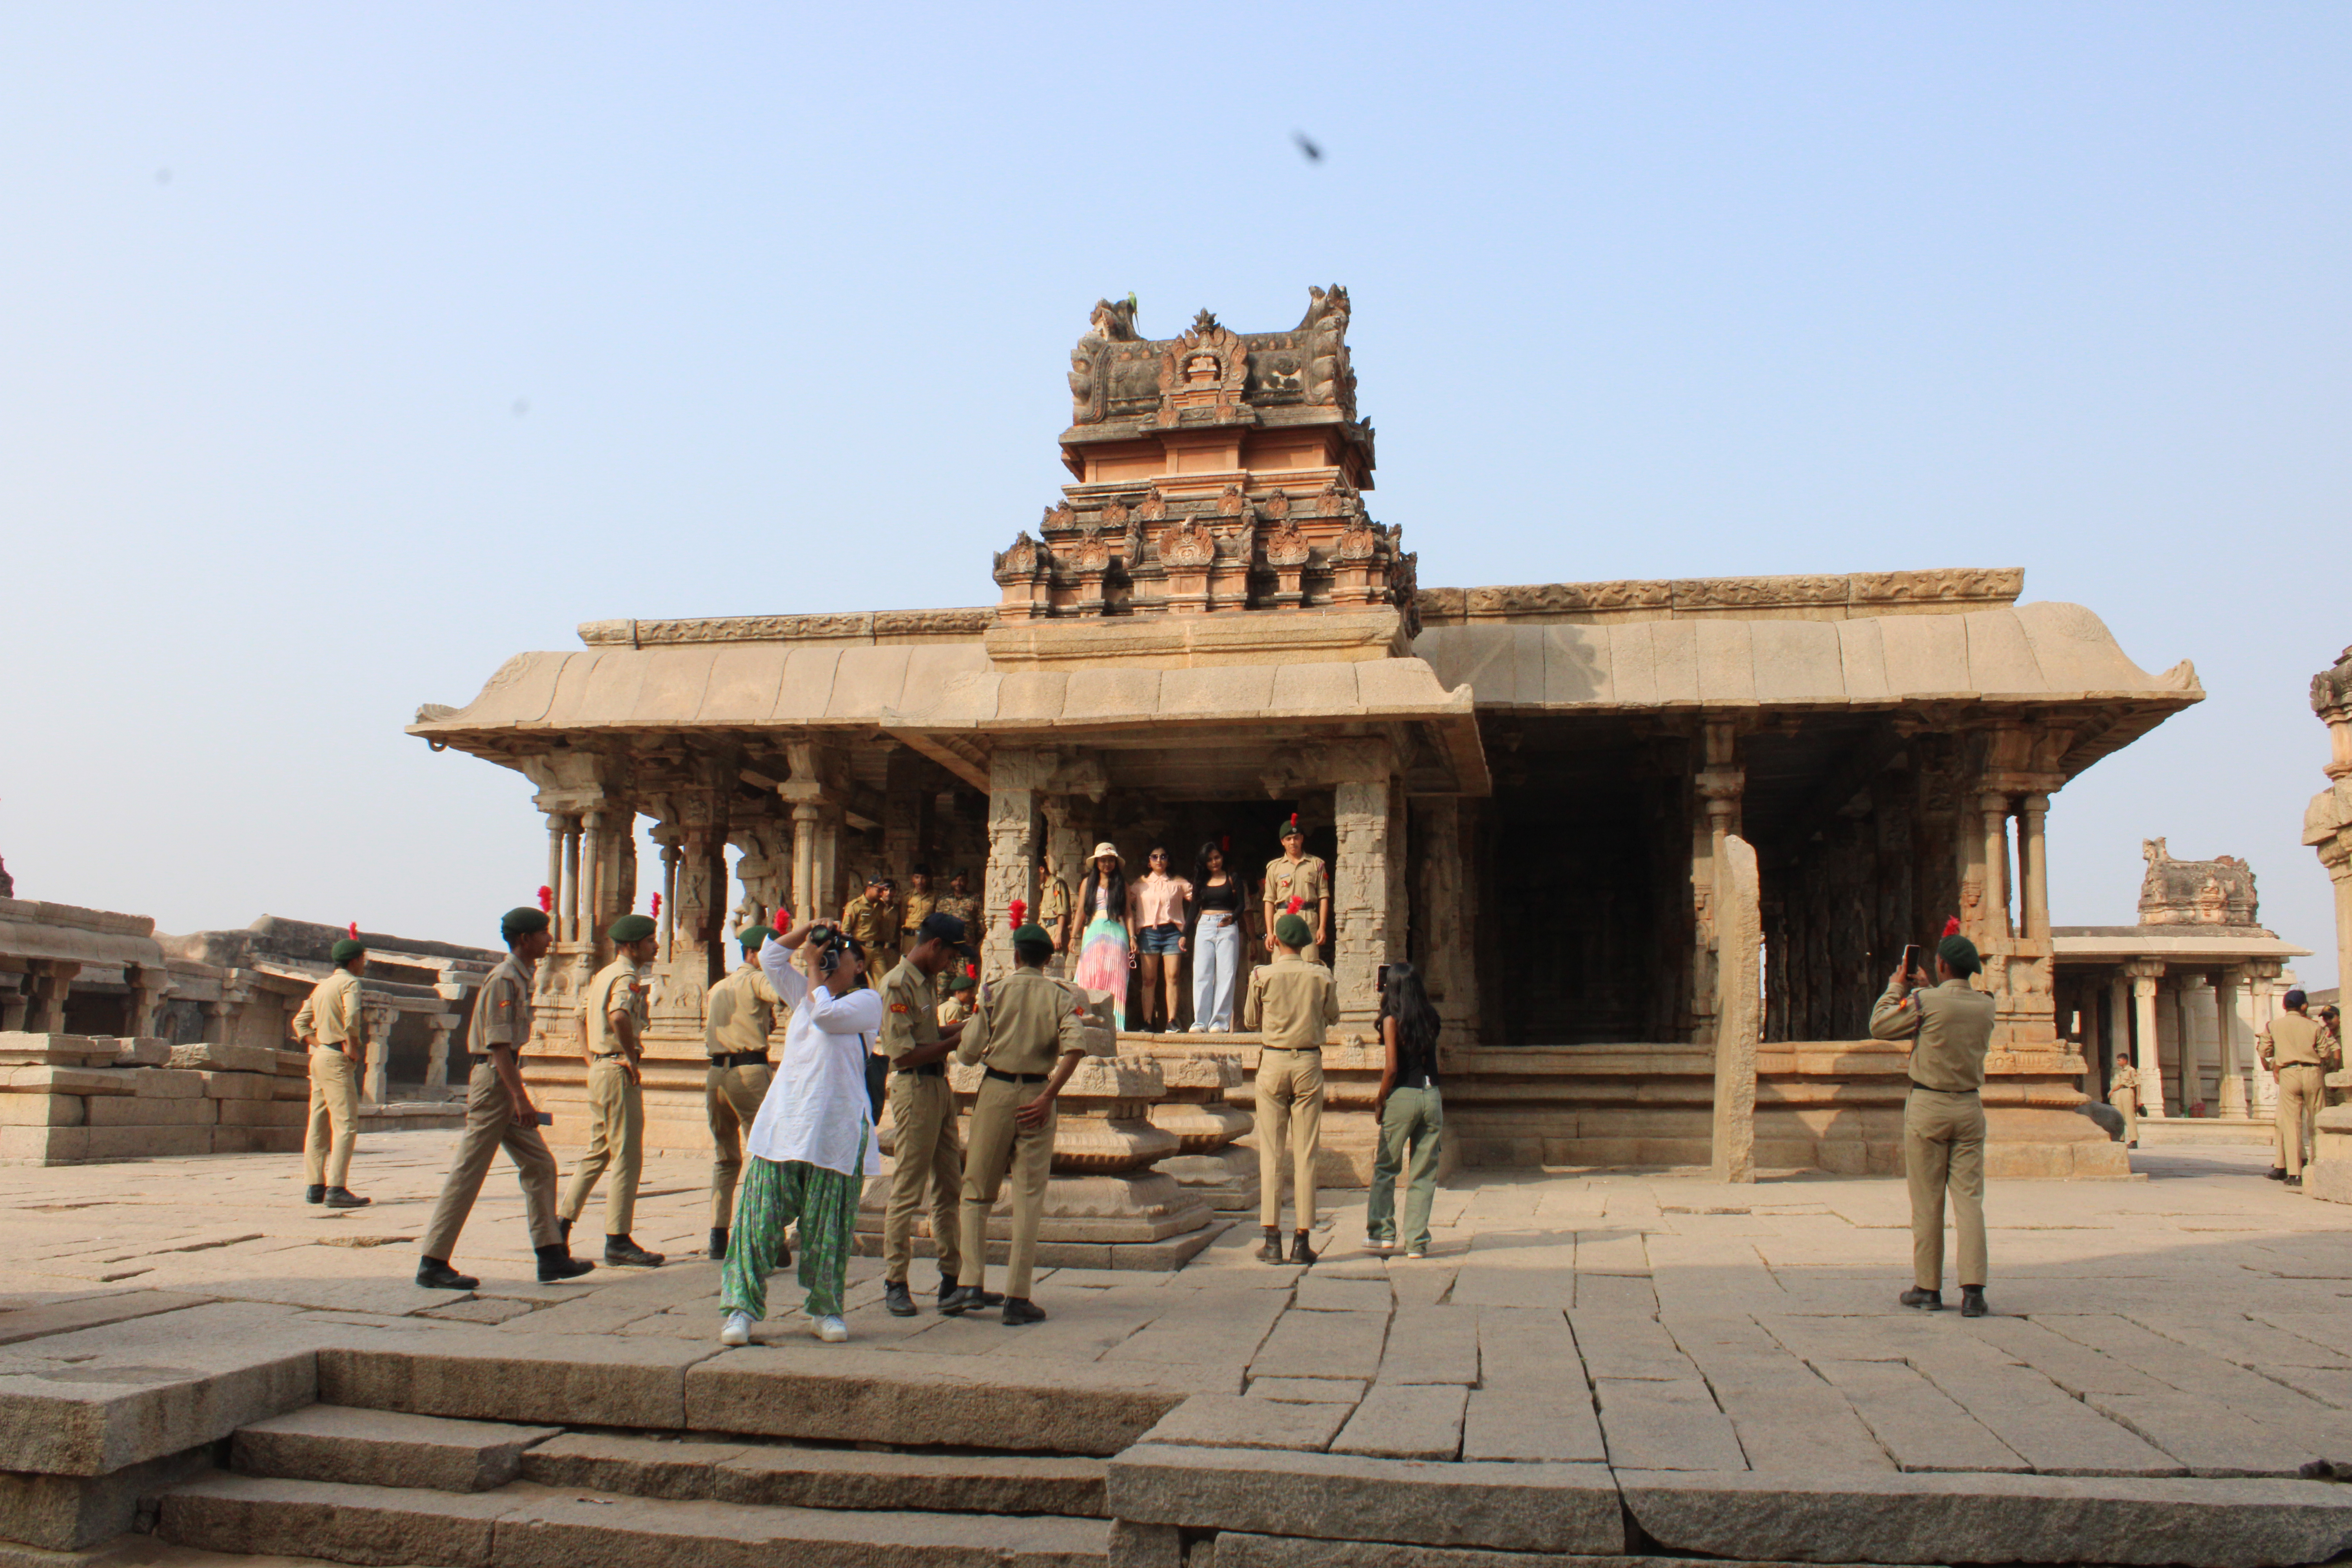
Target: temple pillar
<point>1359,881</point>
<point>902,817</point>
<point>216,1016</point>
<point>2262,987</point>
<point>2145,973</point>
<point>567,929</point>
<point>1993,806</point>
<point>376,1084</point>
<point>49,981</point>
<point>2034,865</point>
<point>2225,1030</point>
<point>13,1004</point>
<point>1400,895</point>
<point>2118,1029</point>
<point>1443,929</point>
<point>1066,846</point>
<point>1719,785</point>
<point>1013,777</point>
<point>559,838</point>
<point>436,1053</point>
<point>145,985</point>
<point>689,799</point>
<point>2188,1069</point>
<point>668,838</point>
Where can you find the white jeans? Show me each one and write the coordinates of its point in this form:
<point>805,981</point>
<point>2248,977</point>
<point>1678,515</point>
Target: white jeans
<point>1216,965</point>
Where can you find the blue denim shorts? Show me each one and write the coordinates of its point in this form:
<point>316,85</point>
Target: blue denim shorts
<point>1161,940</point>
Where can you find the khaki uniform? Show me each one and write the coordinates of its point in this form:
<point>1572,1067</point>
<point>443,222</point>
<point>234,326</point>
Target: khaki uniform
<point>737,1021</point>
<point>1943,1119</point>
<point>335,1021</point>
<point>2123,1093</point>
<point>501,1021</point>
<point>1292,1004</point>
<point>966,909</point>
<point>955,1009</point>
<point>2291,1046</point>
<point>617,1104</point>
<point>1307,879</point>
<point>924,1151</point>
<point>876,927</point>
<point>912,911</point>
<point>1021,1027</point>
<point>1054,902</point>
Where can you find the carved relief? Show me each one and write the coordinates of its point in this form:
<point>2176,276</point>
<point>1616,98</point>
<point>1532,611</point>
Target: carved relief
<point>1021,560</point>
<point>1203,370</point>
<point>1323,334</point>
<point>1153,508</point>
<point>1287,545</point>
<point>1187,543</point>
<point>2220,891</point>
<point>1358,541</point>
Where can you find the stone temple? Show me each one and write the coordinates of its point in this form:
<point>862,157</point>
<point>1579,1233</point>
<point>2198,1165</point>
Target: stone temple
<point>1655,844</point>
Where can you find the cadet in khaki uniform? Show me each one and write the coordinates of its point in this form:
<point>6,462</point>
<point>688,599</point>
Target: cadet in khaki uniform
<point>1943,1119</point>
<point>1294,874</point>
<point>2123,1093</point>
<point>738,1018</point>
<point>498,1114</point>
<point>333,1027</point>
<point>958,1006</point>
<point>925,1153</point>
<point>1292,1004</point>
<point>612,1037</point>
<point>1054,906</point>
<point>958,901</point>
<point>2291,1046</point>
<point>873,919</point>
<point>1027,1030</point>
<point>918,902</point>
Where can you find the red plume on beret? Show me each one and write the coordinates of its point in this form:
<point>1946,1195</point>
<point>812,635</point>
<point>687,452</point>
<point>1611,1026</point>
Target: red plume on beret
<point>352,930</point>
<point>780,918</point>
<point>1018,914</point>
<point>1952,926</point>
<point>656,910</point>
<point>546,900</point>
<point>1292,827</point>
<point>1296,904</point>
<point>972,972</point>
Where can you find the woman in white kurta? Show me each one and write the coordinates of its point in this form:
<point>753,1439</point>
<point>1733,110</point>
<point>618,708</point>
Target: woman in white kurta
<point>811,1146</point>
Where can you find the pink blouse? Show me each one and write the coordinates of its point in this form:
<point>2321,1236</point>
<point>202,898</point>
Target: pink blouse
<point>1161,902</point>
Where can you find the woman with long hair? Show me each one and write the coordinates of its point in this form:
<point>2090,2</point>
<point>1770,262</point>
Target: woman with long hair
<point>1220,904</point>
<point>1411,1115</point>
<point>1107,952</point>
<point>1160,902</point>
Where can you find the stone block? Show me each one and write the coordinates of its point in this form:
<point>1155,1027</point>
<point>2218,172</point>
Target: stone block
<point>1432,1344</point>
<point>255,1139</point>
<point>90,1311</point>
<point>1307,1390</point>
<point>114,1111</point>
<point>141,1051</point>
<point>68,1080</point>
<point>262,1113</point>
<point>1145,1545</point>
<point>41,1110</point>
<point>834,1394</point>
<point>225,1058</point>
<point>1230,1421</point>
<point>384,1449</point>
<point>239,1085</point>
<point>44,1145</point>
<point>1520,1508</point>
<point>21,1049</point>
<point>148,1142</point>
<point>484,1374</point>
<point>640,1467</point>
<point>1236,1549</point>
<point>931,1483</point>
<point>292,1064</point>
<point>1323,1344</point>
<point>163,1083</point>
<point>1954,1518</point>
<point>1657,1425</point>
<point>256,1515</point>
<point>1319,1292</point>
<point>1406,1421</point>
<point>1532,1426</point>
<point>66,1513</point>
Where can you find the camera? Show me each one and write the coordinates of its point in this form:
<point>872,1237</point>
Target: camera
<point>832,941</point>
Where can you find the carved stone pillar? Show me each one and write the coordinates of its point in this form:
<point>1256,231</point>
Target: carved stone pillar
<point>902,817</point>
<point>2145,973</point>
<point>1720,785</point>
<point>1444,924</point>
<point>1067,843</point>
<point>689,800</point>
<point>145,985</point>
<point>375,1086</point>
<point>217,1015</point>
<point>50,981</point>
<point>2034,865</point>
<point>2188,1066</point>
<point>803,886</point>
<point>436,1053</point>
<point>668,838</point>
<point>13,1004</point>
<point>2118,1028</point>
<point>1013,813</point>
<point>567,926</point>
<point>1993,806</point>
<point>1359,901</point>
<point>2261,989</point>
<point>558,841</point>
<point>2232,1097</point>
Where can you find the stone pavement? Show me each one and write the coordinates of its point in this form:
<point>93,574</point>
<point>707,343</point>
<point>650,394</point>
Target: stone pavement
<point>1691,1346</point>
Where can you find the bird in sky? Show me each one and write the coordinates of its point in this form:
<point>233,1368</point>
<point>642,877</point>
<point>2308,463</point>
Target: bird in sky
<point>1306,145</point>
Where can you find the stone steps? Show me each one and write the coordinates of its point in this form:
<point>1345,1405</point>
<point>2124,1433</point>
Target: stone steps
<point>526,1525</point>
<point>384,1449</point>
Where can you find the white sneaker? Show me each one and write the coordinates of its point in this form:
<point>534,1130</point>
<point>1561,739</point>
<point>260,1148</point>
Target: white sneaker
<point>737,1330</point>
<point>832,1330</point>
<point>1415,1252</point>
<point>1376,1245</point>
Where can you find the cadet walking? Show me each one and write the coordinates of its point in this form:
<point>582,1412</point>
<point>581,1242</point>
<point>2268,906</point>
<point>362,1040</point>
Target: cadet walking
<point>924,1153</point>
<point>738,1018</point>
<point>2291,1048</point>
<point>1292,1004</point>
<point>498,1114</point>
<point>1943,1119</point>
<point>612,1038</point>
<point>1028,1031</point>
<point>872,921</point>
<point>332,1026</point>
<point>1296,875</point>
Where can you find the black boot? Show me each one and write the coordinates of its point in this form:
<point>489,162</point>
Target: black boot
<point>959,1300</point>
<point>717,1243</point>
<point>435,1273</point>
<point>898,1302</point>
<point>1272,1250</point>
<point>556,1265</point>
<point>2277,1174</point>
<point>318,1195</point>
<point>1972,1302</point>
<point>344,1198</point>
<point>1933,1301</point>
<point>984,1299</point>
<point>1299,1251</point>
<point>1020,1310</point>
<point>564,1230</point>
<point>620,1252</point>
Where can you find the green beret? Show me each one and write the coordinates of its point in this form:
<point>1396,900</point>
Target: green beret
<point>754,937</point>
<point>345,950</point>
<point>1292,931</point>
<point>631,928</point>
<point>518,923</point>
<point>965,982</point>
<point>1961,953</point>
<point>1031,935</point>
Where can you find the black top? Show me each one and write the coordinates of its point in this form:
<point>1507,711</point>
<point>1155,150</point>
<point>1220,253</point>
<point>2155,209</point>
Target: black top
<point>1415,1069</point>
<point>1227,897</point>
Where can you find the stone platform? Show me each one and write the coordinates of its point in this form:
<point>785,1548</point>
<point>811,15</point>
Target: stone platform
<point>1587,1367</point>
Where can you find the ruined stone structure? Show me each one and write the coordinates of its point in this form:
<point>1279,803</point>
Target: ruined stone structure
<point>1529,791</point>
<point>2327,828</point>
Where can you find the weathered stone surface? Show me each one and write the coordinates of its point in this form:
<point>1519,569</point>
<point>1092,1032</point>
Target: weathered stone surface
<point>385,1448</point>
<point>1323,1344</point>
<point>347,1523</point>
<point>1900,1518</point>
<point>67,1080</point>
<point>640,1467</point>
<point>1224,1421</point>
<point>1236,1549</point>
<point>117,1110</point>
<point>1145,1545</point>
<point>1527,1507</point>
<point>90,1311</point>
<point>1432,1344</point>
<point>66,1513</point>
<point>940,1483</point>
<point>1308,1390</point>
<point>487,1375</point>
<point>1661,1425</point>
<point>1532,1426</point>
<point>225,1058</point>
<point>1406,1421</point>
<point>42,1110</point>
<point>1914,1420</point>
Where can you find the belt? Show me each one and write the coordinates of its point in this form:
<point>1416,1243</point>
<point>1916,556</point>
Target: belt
<point>1015,1077</point>
<point>1293,1049</point>
<point>1916,1084</point>
<point>742,1059</point>
<point>928,1069</point>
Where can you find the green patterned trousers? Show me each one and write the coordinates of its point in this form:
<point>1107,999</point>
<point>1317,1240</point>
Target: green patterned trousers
<point>775,1193</point>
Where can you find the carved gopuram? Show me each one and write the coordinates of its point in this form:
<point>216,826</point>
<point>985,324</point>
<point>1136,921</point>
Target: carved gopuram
<point>1540,794</point>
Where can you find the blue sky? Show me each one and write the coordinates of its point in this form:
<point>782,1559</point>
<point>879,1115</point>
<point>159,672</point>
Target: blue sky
<point>350,350</point>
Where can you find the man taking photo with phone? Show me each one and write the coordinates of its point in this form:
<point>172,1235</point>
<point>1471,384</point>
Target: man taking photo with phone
<point>1950,1024</point>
